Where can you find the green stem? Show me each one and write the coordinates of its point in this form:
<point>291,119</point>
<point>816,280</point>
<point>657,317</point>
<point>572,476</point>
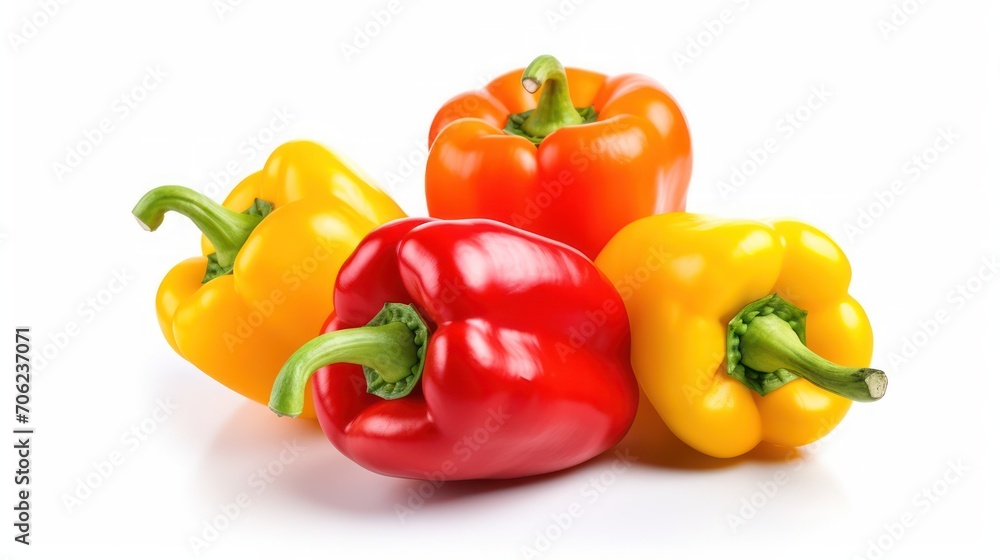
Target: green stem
<point>555,108</point>
<point>770,351</point>
<point>226,229</point>
<point>391,349</point>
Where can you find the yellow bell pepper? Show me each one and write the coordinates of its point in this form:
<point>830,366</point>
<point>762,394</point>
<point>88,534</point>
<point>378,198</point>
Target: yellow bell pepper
<point>717,344</point>
<point>272,251</point>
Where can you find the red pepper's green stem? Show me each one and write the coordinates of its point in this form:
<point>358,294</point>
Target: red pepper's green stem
<point>555,108</point>
<point>226,229</point>
<point>391,348</point>
<point>388,349</point>
<point>770,344</point>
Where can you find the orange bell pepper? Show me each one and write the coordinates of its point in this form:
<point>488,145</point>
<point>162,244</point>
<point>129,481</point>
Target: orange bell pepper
<point>569,154</point>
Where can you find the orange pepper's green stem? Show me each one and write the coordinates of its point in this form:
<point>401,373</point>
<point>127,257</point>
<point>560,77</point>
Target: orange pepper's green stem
<point>391,348</point>
<point>226,229</point>
<point>555,108</point>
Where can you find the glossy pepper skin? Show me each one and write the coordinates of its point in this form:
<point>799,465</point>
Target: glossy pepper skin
<point>240,327</point>
<point>582,181</point>
<point>526,367</point>
<point>684,276</point>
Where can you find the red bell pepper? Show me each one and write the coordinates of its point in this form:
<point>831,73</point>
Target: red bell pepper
<point>488,352</point>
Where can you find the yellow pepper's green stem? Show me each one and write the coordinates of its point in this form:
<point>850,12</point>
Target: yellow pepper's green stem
<point>770,344</point>
<point>766,349</point>
<point>226,229</point>
<point>391,348</point>
<point>555,108</point>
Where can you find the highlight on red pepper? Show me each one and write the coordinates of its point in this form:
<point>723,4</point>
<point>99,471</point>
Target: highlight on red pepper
<point>566,153</point>
<point>467,349</point>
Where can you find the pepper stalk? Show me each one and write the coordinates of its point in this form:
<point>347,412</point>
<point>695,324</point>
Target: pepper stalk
<point>766,349</point>
<point>555,107</point>
<point>227,230</point>
<point>390,348</point>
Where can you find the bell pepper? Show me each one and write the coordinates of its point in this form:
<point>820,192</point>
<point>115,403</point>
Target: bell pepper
<point>569,154</point>
<point>479,351</point>
<point>271,251</point>
<point>718,314</point>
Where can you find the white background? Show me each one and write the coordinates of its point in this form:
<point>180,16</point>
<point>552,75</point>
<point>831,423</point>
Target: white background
<point>64,237</point>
